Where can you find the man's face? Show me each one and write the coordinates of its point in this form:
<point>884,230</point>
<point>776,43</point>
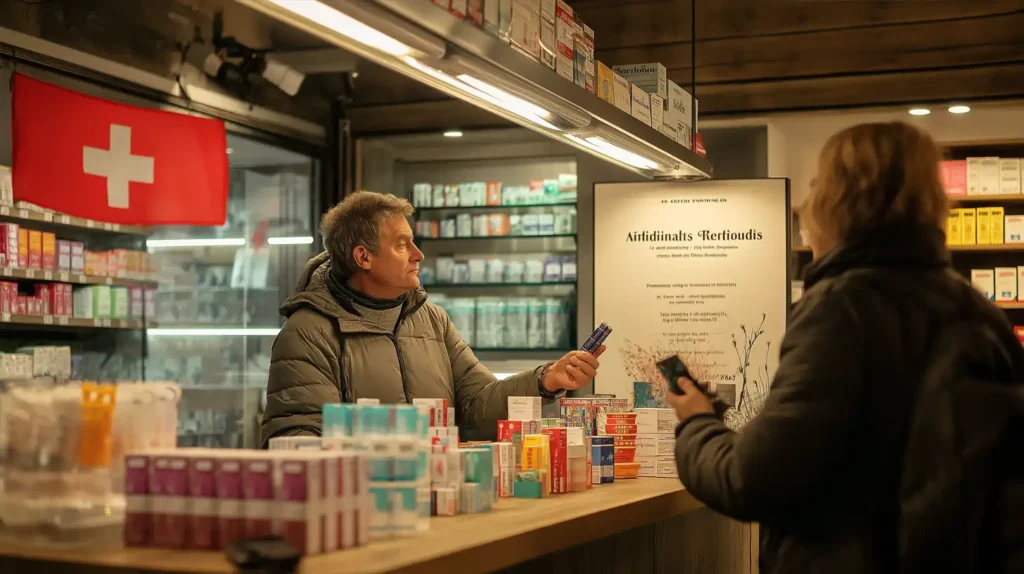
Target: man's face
<point>396,265</point>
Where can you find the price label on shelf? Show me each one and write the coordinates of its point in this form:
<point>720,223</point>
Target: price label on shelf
<point>109,280</point>
<point>47,216</point>
<point>47,319</point>
<point>90,223</point>
<point>65,277</point>
<point>30,273</point>
<point>23,213</point>
<point>65,219</point>
<point>104,322</point>
<point>108,227</point>
<point>47,275</point>
<point>115,226</point>
<point>5,317</point>
<point>4,210</point>
<point>62,320</point>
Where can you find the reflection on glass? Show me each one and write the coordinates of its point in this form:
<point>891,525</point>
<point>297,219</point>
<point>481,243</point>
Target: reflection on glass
<point>219,290</point>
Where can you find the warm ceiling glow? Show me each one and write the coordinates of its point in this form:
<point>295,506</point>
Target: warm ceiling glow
<point>920,112</point>
<point>959,109</point>
<point>453,134</point>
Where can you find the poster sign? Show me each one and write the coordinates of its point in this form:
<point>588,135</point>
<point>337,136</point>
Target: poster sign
<point>698,270</point>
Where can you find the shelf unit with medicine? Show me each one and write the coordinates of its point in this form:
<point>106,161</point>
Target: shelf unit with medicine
<point>495,215</point>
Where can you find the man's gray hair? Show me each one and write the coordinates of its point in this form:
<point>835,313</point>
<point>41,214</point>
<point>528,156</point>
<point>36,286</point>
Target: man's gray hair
<point>356,221</point>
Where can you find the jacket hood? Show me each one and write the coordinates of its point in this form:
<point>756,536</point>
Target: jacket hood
<point>313,290</point>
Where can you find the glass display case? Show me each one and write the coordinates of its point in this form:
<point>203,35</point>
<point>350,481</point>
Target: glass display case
<point>219,289</point>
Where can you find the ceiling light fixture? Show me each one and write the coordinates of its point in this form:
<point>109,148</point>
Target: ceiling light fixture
<point>960,109</point>
<point>920,111</point>
<point>212,242</point>
<point>343,24</point>
<point>453,134</point>
<point>298,240</point>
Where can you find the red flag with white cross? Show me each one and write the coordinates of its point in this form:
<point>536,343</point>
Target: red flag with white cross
<point>111,162</point>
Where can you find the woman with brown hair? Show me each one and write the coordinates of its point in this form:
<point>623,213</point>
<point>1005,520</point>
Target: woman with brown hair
<point>821,467</point>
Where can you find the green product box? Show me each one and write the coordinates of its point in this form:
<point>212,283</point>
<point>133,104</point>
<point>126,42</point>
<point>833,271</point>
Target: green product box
<point>119,302</point>
<point>527,489</point>
<point>478,465</point>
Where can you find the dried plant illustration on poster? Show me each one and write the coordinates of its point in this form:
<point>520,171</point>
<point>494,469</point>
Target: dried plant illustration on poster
<point>745,395</point>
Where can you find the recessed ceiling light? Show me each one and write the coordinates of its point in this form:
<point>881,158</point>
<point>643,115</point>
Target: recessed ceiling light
<point>920,112</point>
<point>959,109</point>
<point>453,134</point>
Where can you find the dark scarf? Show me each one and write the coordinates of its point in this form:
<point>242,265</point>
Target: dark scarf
<point>346,295</point>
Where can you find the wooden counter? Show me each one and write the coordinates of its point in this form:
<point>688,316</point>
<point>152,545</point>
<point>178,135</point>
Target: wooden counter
<point>517,530</point>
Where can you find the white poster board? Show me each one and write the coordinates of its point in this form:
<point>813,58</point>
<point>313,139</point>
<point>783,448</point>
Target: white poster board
<point>698,270</point>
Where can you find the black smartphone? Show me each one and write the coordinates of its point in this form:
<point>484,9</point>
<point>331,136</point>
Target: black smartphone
<point>672,368</point>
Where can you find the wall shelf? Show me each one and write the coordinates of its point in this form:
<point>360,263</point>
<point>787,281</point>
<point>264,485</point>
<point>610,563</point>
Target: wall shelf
<point>989,248</point>
<point>77,278</point>
<point>491,207</point>
<point>491,237</point>
<point>987,199</point>
<point>73,322</point>
<point>1010,304</point>
<point>9,213</point>
<point>438,286</point>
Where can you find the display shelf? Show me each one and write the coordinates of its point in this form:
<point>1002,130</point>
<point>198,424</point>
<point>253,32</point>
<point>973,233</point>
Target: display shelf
<point>1010,304</point>
<point>496,285</point>
<point>492,238</point>
<point>77,278</point>
<point>987,199</point>
<point>492,207</point>
<point>61,321</point>
<point>988,248</point>
<point>522,350</point>
<point>8,213</point>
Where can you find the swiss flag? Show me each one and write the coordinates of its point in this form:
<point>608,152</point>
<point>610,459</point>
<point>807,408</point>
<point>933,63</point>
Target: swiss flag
<point>97,159</point>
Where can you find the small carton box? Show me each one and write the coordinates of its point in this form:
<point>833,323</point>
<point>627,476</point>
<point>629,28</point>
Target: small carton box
<point>9,244</point>
<point>493,193</point>
<point>23,248</point>
<point>968,226</point>
<point>513,432</point>
<point>258,492</point>
<point>69,298</point>
<point>1006,283</point>
<point>548,10</point>
<point>984,226</point>
<point>138,513</point>
<point>49,252</point>
<point>655,445</point>
<point>955,177</point>
<point>1014,228</point>
<point>43,292</point>
<point>202,492</point>
<point>657,467</point>
<point>119,302</point>
<point>77,257</point>
<point>548,45</point>
<point>169,487</point>
<point>559,465</point>
<point>63,255</point>
<point>230,498</point>
<point>579,73</point>
<point>102,308</point>
<point>984,281</point>
<point>640,104</point>
<point>83,303</point>
<point>35,249</point>
<point>565,55</point>
<point>622,92</point>
<point>438,411</point>
<point>982,176</point>
<point>657,112</point>
<point>524,31</point>
<point>655,421</point>
<point>996,222</point>
<point>524,408</point>
<point>498,17</point>
<point>300,496</point>
<point>681,107</point>
<point>651,78</point>
<point>1009,176</point>
<point>954,226</point>
<point>605,87</point>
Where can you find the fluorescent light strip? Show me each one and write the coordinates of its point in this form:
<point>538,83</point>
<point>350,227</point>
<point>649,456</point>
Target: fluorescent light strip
<point>212,242</point>
<point>524,106</point>
<point>303,240</point>
<point>606,149</point>
<point>328,17</point>
<point>212,332</point>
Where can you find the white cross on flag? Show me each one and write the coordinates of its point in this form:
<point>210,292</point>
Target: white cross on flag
<point>111,162</point>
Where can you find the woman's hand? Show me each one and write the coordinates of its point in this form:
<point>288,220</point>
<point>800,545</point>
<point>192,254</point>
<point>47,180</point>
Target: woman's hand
<point>692,402</point>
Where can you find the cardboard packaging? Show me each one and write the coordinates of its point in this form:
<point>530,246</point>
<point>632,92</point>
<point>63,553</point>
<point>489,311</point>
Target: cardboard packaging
<point>651,78</point>
<point>497,21</point>
<point>35,249</point>
<point>984,226</point>
<point>1014,228</point>
<point>680,108</point>
<point>954,234</point>
<point>438,411</point>
<point>657,112</point>
<point>605,87</point>
<point>1020,278</point>
<point>982,175</point>
<point>511,431</point>
<point>984,281</point>
<point>524,32</point>
<point>558,444</point>
<point>1009,176</point>
<point>1006,283</point>
<point>548,10</point>
<point>49,249</point>
<point>23,248</point>
<point>77,257</point>
<point>603,457</point>
<point>996,221</point>
<point>9,244</point>
<point>258,492</point>
<point>169,491</point>
<point>138,518</point>
<point>623,93</point>
<point>63,256</point>
<point>537,456</point>
<point>524,408</point>
<point>548,44</point>
<point>565,55</point>
<point>202,492</point>
<point>640,104</point>
<point>658,467</point>
<point>655,421</point>
<point>968,226</point>
<point>954,173</point>
<point>579,74</point>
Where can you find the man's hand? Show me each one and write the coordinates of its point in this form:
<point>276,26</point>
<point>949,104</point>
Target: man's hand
<point>692,402</point>
<point>572,371</point>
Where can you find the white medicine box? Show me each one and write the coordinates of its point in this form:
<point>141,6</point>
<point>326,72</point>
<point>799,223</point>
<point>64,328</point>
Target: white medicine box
<point>984,281</point>
<point>1013,228</point>
<point>524,408</point>
<point>1006,283</point>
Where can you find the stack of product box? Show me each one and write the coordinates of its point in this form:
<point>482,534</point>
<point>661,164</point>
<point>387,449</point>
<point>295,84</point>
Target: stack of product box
<point>655,442</point>
<point>394,439</point>
<point>556,191</point>
<point>583,411</point>
<point>982,176</point>
<point>203,499</point>
<point>983,226</point>
<point>603,456</point>
<point>657,101</point>
<point>999,284</point>
<point>622,428</point>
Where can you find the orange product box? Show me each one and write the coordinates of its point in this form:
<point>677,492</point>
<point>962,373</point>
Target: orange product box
<point>498,224</point>
<point>117,262</point>
<point>49,252</point>
<point>89,266</point>
<point>493,193</point>
<point>35,249</point>
<point>23,248</point>
<point>559,459</point>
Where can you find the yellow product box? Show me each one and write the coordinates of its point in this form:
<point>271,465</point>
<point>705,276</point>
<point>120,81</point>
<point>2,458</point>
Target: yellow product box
<point>537,455</point>
<point>984,226</point>
<point>605,83</point>
<point>996,219</point>
<point>953,226</point>
<point>969,227</point>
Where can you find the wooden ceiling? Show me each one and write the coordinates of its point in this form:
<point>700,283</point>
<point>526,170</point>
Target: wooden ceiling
<point>758,56</point>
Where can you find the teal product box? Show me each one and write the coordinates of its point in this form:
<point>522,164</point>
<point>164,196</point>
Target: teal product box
<point>478,466</point>
<point>338,420</point>
<point>381,513</point>
<point>527,489</point>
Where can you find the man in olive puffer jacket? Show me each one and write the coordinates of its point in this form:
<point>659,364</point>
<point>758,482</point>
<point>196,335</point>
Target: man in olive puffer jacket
<point>359,325</point>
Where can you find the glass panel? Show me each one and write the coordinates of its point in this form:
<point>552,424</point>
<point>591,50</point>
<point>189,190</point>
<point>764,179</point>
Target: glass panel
<point>220,288</point>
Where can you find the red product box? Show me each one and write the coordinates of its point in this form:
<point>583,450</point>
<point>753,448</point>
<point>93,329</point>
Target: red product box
<point>43,294</point>
<point>169,488</point>
<point>135,302</point>
<point>954,177</point>
<point>69,298</point>
<point>202,492</point>
<point>5,299</point>
<point>138,521</point>
<point>1019,331</point>
<point>258,491</point>
<point>9,244</point>
<point>64,255</point>
<point>438,411</point>
<point>300,496</point>
<point>230,500</point>
<point>117,262</point>
<point>22,305</point>
<point>23,248</point>
<point>77,257</point>
<point>513,431</point>
<point>57,299</point>
<point>559,459</point>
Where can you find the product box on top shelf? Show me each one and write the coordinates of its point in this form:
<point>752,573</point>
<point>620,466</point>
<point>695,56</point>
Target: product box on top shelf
<point>969,226</point>
<point>623,93</point>
<point>982,175</point>
<point>657,112</point>
<point>984,281</point>
<point>23,249</point>
<point>1009,176</point>
<point>1006,283</point>
<point>498,18</point>
<point>651,78</point>
<point>77,257</point>
<point>583,50</point>
<point>49,252</point>
<point>9,244</point>
<point>548,44</point>
<point>680,109</point>
<point>954,177</point>
<point>458,8</point>
<point>565,54</point>
<point>605,86</point>
<point>524,32</point>
<point>35,249</point>
<point>983,226</point>
<point>996,223</point>
<point>640,105</point>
